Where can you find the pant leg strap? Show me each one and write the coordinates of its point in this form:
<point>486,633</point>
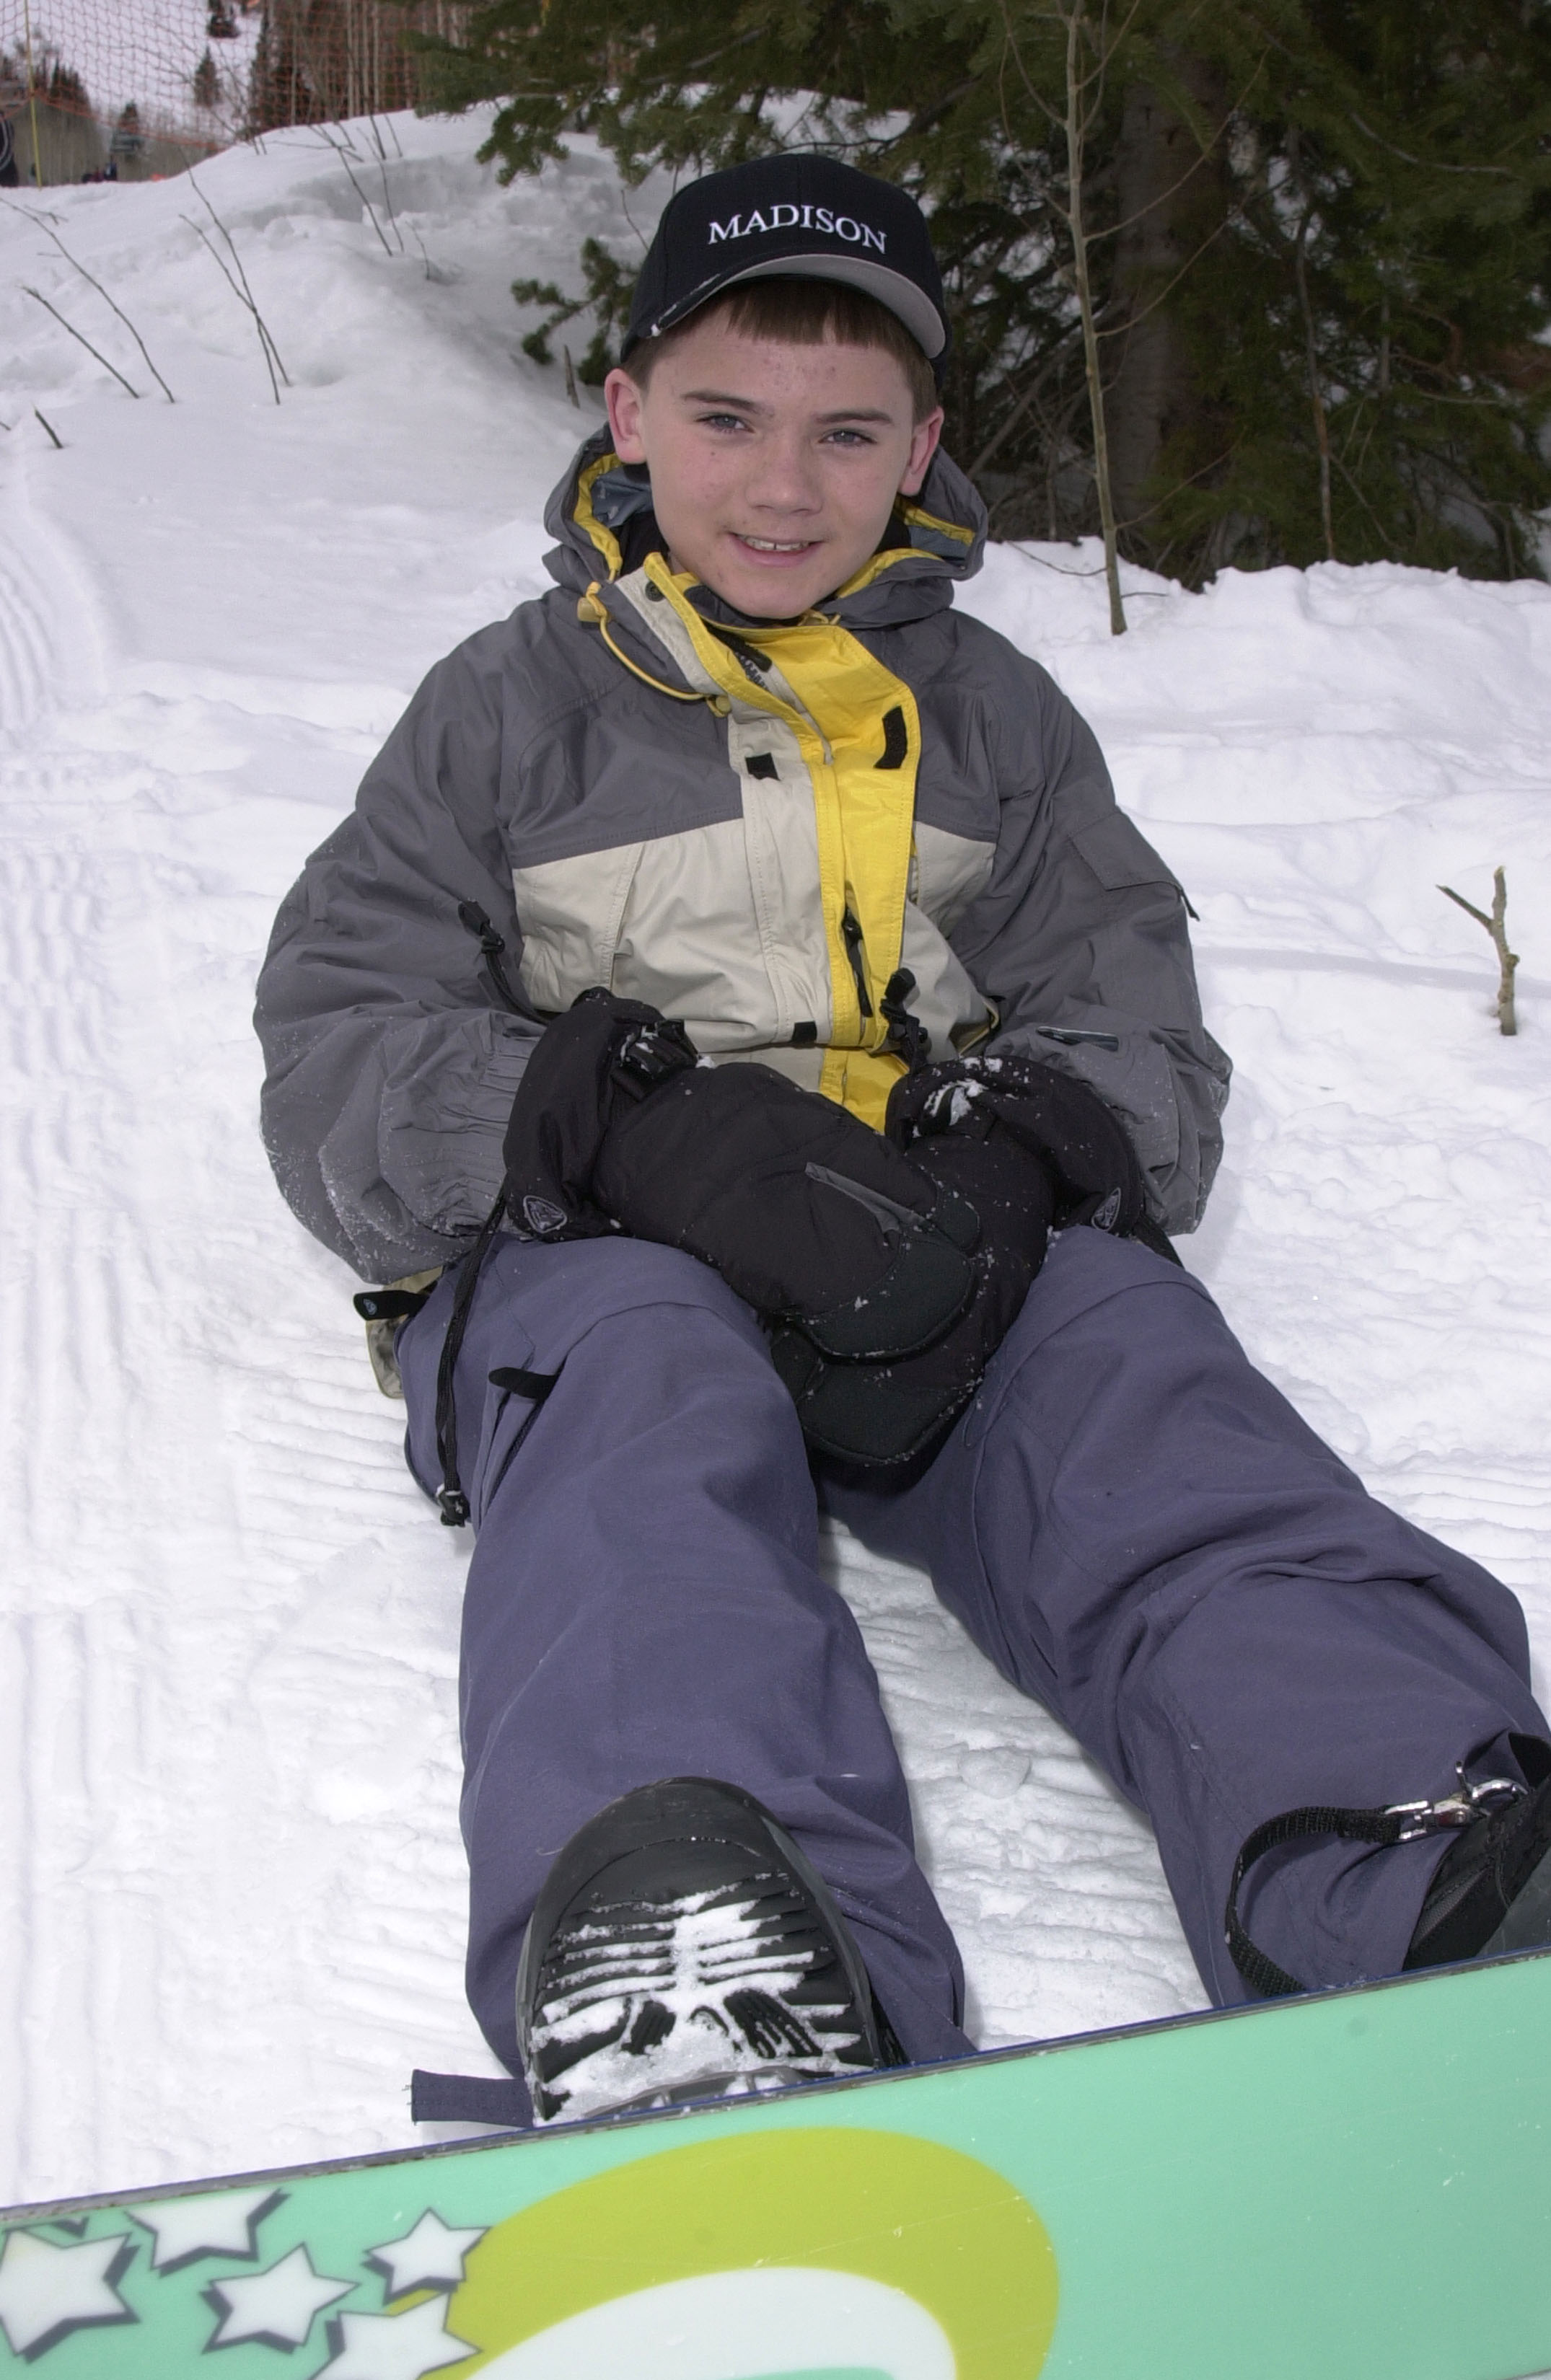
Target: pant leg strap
<point>1400,1822</point>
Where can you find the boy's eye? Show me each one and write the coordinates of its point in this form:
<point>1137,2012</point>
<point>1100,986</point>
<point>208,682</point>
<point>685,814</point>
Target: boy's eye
<point>848,438</point>
<point>721,421</point>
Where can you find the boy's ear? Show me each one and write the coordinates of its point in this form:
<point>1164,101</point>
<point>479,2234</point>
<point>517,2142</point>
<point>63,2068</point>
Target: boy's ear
<point>924,440</point>
<point>624,401</point>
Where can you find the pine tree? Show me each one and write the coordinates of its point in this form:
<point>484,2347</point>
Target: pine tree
<point>206,84</point>
<point>1318,238</point>
<point>128,135</point>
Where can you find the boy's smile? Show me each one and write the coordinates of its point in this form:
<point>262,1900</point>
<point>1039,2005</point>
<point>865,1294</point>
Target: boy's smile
<point>774,466</point>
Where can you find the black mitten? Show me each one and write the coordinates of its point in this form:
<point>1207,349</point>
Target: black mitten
<point>602,1055</point>
<point>876,1413</point>
<point>807,1213</point>
<point>1027,1147</point>
<point>1054,1116</point>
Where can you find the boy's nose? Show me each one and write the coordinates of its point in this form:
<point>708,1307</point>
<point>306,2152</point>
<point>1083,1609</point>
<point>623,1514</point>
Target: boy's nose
<point>784,479</point>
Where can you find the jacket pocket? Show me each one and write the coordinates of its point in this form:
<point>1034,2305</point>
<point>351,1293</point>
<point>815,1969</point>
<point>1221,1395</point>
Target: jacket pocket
<point>1119,853</point>
<point>507,1416</point>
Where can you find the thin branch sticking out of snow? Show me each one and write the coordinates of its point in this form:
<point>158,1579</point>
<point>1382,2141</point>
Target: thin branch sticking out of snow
<point>1496,927</point>
<point>237,283</point>
<point>34,215</point>
<point>96,356</point>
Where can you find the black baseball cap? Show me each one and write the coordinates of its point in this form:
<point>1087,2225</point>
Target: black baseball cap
<point>805,216</point>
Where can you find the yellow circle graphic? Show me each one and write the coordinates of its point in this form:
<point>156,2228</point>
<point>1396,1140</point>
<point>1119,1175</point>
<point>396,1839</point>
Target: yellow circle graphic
<point>939,2246</point>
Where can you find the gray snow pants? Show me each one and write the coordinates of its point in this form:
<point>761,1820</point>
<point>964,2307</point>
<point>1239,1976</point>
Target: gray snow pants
<point>1129,1521</point>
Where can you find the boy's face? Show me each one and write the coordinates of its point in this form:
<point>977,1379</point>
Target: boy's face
<point>774,468</point>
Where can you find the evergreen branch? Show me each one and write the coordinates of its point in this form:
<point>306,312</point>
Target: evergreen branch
<point>1427,165</point>
<point>1011,49</point>
<point>81,337</point>
<point>925,117</point>
<point>1110,230</point>
<point>1191,479</point>
<point>1024,405</point>
<point>1351,482</point>
<point>1119,330</point>
<point>728,49</point>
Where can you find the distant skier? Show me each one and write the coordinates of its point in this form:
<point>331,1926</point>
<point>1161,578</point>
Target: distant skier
<point>875,1223</point>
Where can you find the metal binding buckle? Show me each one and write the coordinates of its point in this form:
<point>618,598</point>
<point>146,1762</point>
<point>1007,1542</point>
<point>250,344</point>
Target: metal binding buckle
<point>1459,1809</point>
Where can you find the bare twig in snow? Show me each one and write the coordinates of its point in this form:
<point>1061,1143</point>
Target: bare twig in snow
<point>387,204</point>
<point>570,377</point>
<point>111,302</point>
<point>50,428</point>
<point>81,337</point>
<point>1496,927</point>
<point>343,152</point>
<point>265,347</point>
<point>33,214</point>
<point>266,341</point>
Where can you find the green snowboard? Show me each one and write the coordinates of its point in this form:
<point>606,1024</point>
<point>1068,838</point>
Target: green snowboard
<point>1354,2186</point>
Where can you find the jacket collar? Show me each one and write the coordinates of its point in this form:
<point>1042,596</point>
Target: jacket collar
<point>601,517</point>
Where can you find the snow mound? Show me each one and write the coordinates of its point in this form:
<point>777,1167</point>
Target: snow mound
<point>228,1716</point>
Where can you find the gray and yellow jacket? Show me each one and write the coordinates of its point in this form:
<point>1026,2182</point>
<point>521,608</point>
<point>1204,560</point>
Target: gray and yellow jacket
<point>751,825</point>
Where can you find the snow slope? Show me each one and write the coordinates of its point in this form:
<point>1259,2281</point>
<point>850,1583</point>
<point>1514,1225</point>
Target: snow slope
<point>228,1848</point>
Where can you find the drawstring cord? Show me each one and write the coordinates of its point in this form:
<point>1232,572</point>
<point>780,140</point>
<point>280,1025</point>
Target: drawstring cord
<point>473,920</point>
<point>535,1386</point>
<point>591,608</point>
<point>449,1495</point>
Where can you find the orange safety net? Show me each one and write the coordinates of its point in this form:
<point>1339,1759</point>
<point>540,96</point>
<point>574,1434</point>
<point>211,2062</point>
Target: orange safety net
<point>123,89</point>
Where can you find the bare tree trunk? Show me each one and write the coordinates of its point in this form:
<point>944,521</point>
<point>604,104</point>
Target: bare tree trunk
<point>1169,200</point>
<point>1076,132</point>
<point>1316,395</point>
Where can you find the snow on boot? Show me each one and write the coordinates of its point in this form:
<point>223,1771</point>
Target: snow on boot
<point>683,1948</point>
<point>1492,1889</point>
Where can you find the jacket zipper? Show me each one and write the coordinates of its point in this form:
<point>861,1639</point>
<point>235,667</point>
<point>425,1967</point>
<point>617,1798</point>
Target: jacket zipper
<point>850,931</point>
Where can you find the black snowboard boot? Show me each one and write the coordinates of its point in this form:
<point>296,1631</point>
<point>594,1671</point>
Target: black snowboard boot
<point>682,1947</point>
<point>1491,1891</point>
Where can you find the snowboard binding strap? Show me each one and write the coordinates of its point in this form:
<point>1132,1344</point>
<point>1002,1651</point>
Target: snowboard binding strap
<point>1400,1822</point>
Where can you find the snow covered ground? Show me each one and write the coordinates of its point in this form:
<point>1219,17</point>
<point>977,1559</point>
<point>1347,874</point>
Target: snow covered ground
<point>233,1886</point>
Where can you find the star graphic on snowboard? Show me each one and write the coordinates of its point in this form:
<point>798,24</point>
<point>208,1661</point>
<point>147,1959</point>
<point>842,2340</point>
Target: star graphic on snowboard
<point>429,2257</point>
<point>47,2291</point>
<point>393,2346</point>
<point>276,2308</point>
<point>218,2223</point>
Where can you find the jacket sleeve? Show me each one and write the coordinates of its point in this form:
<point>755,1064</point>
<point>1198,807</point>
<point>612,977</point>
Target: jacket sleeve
<point>390,1066</point>
<point>1081,940</point>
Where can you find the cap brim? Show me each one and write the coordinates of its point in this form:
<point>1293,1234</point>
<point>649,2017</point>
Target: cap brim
<point>902,298</point>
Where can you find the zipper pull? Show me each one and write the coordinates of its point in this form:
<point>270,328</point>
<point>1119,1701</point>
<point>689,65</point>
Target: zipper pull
<point>850,933</point>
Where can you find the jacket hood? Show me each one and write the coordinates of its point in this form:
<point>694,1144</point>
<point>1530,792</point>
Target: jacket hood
<point>601,517</point>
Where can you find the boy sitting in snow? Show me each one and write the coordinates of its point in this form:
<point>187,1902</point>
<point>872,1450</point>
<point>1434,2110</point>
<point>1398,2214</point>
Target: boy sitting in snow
<point>738,976</point>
